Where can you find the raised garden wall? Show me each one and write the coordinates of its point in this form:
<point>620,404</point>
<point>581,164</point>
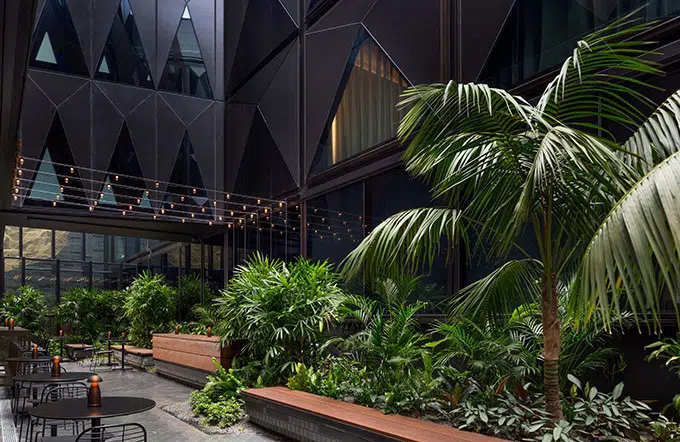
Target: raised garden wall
<point>188,358</point>
<point>309,418</point>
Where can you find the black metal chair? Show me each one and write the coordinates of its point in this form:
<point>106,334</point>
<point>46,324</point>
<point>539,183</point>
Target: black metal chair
<point>56,393</point>
<point>110,433</point>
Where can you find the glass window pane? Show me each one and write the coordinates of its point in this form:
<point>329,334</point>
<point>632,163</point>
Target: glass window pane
<point>11,241</point>
<point>42,275</point>
<point>12,274</point>
<point>37,243</point>
<point>68,246</point>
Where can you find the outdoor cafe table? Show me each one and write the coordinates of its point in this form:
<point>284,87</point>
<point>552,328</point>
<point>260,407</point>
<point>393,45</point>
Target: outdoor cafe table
<point>46,378</point>
<point>22,361</point>
<point>78,410</point>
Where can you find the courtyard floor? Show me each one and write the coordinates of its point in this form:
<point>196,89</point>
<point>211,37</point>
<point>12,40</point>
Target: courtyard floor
<point>160,425</point>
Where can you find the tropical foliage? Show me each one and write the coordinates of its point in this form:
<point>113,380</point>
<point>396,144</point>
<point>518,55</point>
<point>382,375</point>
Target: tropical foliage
<point>149,307</point>
<point>602,214</point>
<point>92,313</point>
<point>282,310</point>
<point>28,309</point>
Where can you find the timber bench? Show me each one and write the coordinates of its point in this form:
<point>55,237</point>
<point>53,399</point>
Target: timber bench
<point>134,356</point>
<point>308,417</point>
<point>78,351</point>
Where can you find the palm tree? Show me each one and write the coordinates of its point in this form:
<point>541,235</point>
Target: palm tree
<point>601,212</point>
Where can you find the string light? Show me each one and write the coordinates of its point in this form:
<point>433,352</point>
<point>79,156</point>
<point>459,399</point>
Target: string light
<point>183,220</point>
<point>66,180</point>
<point>54,204</point>
<point>162,211</point>
<point>21,172</point>
<point>192,215</point>
<point>21,161</point>
<point>228,196</point>
<point>116,177</point>
<point>194,190</point>
<point>158,184</point>
<point>71,170</point>
<point>259,201</point>
<point>202,209</point>
<point>91,209</point>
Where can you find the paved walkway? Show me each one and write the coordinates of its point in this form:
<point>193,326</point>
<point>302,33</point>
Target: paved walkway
<point>161,426</point>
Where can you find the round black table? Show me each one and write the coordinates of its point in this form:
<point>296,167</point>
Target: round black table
<point>77,409</point>
<point>38,378</point>
<point>30,359</point>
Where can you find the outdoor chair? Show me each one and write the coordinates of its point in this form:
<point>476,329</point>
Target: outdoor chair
<point>99,357</point>
<point>110,433</point>
<point>57,393</point>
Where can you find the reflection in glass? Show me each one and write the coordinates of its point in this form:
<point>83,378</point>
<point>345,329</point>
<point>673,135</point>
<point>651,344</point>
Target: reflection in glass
<point>123,58</point>
<point>366,114</point>
<point>185,70</point>
<point>55,42</point>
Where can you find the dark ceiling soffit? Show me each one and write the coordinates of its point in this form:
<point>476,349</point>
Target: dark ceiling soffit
<point>319,10</point>
<point>281,46</point>
<point>65,220</point>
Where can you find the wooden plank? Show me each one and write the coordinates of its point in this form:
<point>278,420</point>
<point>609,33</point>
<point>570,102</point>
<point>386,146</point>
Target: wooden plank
<point>191,346</point>
<point>397,426</point>
<point>199,362</point>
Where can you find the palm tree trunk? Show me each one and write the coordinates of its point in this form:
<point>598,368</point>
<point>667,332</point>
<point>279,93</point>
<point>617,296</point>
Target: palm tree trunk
<point>551,348</point>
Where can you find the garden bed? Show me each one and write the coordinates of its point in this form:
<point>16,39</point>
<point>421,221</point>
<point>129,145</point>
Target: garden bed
<point>189,358</point>
<point>307,417</point>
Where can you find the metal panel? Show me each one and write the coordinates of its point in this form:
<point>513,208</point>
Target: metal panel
<point>203,16</point>
<point>343,13</point>
<point>186,107</point>
<point>106,124</point>
<point>125,98</point>
<point>145,19</point>
<point>202,135</point>
<point>169,15</point>
<point>219,146</point>
<point>254,89</point>
<point>75,117</point>
<point>239,118</point>
<point>142,125</point>
<point>218,85</point>
<point>293,9</point>
<point>236,12</point>
<point>170,132</point>
<point>481,23</point>
<point>57,87</point>
<point>267,25</point>
<point>327,55</point>
<point>103,12</point>
<point>80,13</point>
<point>280,108</point>
<point>409,34</point>
<point>36,119</point>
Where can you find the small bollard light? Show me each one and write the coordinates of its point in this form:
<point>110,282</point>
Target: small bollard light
<point>56,366</point>
<point>209,331</point>
<point>61,333</point>
<point>11,323</point>
<point>35,351</point>
<point>6,322</point>
<point>177,329</point>
<point>123,335</point>
<point>108,336</point>
<point>94,395</point>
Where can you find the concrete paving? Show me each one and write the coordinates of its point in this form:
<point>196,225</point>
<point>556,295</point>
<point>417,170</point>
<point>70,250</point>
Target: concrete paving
<point>160,426</point>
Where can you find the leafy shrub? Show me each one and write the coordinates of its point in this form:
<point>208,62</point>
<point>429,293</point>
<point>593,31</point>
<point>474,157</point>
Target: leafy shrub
<point>282,310</point>
<point>149,307</point>
<point>218,401</point>
<point>190,296</point>
<point>92,313</point>
<point>27,307</point>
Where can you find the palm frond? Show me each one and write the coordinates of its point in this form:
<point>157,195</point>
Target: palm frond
<point>494,297</point>
<point>634,254</point>
<point>404,242</point>
<point>656,138</point>
<point>598,80</point>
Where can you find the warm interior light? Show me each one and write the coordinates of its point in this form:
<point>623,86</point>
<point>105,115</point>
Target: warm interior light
<point>94,395</point>
<point>334,141</point>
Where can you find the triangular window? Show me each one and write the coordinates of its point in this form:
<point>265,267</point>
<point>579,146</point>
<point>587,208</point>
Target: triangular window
<point>364,113</point>
<point>46,51</point>
<point>186,193</point>
<point>55,42</point>
<point>106,196</point>
<point>56,179</point>
<point>185,70</point>
<point>125,177</point>
<point>123,59</point>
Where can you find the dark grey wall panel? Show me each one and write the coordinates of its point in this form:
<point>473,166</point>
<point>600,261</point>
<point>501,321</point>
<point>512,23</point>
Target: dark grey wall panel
<point>481,24</point>
<point>170,133</point>
<point>77,125</point>
<point>203,16</point>
<point>169,15</point>
<point>39,8</point>
<point>103,12</point>
<point>343,13</point>
<point>36,119</point>
<point>265,29</point>
<point>219,146</point>
<point>57,87</point>
<point>202,135</point>
<point>280,109</point>
<point>409,34</point>
<point>80,13</point>
<point>124,97</point>
<point>106,124</point>
<point>186,107</point>
<point>254,89</point>
<point>142,125</point>
<point>293,9</point>
<point>145,19</point>
<point>236,13</point>
<point>218,87</point>
<point>327,55</point>
<point>239,118</point>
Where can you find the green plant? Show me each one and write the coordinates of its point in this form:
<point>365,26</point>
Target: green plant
<point>92,313</point>
<point>281,309</point>
<point>149,307</point>
<point>505,166</point>
<point>27,307</point>
<point>223,412</point>
<point>190,296</point>
<point>665,429</point>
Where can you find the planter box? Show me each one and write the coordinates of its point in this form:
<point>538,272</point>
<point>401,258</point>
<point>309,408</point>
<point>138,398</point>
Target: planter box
<point>309,418</point>
<point>188,358</point>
